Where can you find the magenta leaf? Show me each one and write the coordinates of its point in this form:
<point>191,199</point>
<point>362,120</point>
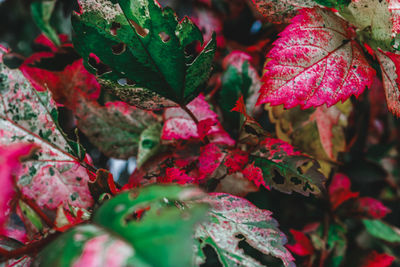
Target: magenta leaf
<point>315,61</point>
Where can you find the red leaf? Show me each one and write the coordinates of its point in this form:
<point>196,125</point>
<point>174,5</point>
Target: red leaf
<point>314,62</point>
<point>254,174</point>
<point>10,157</point>
<point>378,260</point>
<point>372,207</point>
<point>339,190</point>
<point>236,160</point>
<point>209,159</point>
<point>303,245</point>
<point>67,86</point>
<point>180,126</point>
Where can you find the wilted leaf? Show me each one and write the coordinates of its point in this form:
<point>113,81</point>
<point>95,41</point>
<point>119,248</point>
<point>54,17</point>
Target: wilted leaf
<point>281,11</point>
<point>286,169</point>
<point>55,176</point>
<point>234,220</point>
<point>381,230</point>
<point>148,227</point>
<point>314,62</point>
<point>142,45</point>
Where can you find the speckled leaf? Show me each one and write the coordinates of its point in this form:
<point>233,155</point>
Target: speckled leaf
<point>41,14</point>
<point>55,176</point>
<point>233,220</point>
<point>394,8</point>
<point>314,62</point>
<point>142,44</point>
<point>114,128</point>
<point>150,226</point>
<point>149,143</point>
<point>373,20</point>
<point>286,169</point>
<point>390,67</point>
<point>281,11</point>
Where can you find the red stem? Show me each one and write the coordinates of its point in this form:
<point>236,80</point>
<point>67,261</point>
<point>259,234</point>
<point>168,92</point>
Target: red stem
<point>29,249</point>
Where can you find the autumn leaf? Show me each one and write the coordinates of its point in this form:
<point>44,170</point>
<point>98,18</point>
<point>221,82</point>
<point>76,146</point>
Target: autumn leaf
<point>10,164</point>
<point>315,61</point>
<point>132,229</point>
<point>281,11</point>
<point>233,220</point>
<point>27,115</point>
<point>141,45</point>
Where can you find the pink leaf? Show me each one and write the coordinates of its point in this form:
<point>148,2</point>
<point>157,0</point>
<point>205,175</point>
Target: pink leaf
<point>235,160</point>
<point>394,8</point>
<point>303,245</point>
<point>175,175</point>
<point>376,259</point>
<point>314,62</point>
<point>180,126</point>
<point>10,158</point>
<point>209,160</point>
<point>254,174</point>
<point>390,66</point>
<point>372,207</point>
<point>339,190</point>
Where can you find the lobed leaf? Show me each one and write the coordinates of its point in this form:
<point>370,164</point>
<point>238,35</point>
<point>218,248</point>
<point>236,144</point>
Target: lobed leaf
<point>314,62</point>
<point>141,45</point>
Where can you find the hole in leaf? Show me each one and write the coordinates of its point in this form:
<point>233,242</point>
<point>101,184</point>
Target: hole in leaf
<point>164,37</point>
<point>212,259</point>
<point>130,82</point>
<point>148,144</point>
<point>250,130</point>
<point>299,170</point>
<point>264,259</point>
<point>99,66</point>
<point>278,178</point>
<point>139,29</point>
<point>307,186</point>
<point>295,180</point>
<point>114,27</point>
<point>192,48</point>
<point>137,215</point>
<point>118,49</point>
<point>240,236</point>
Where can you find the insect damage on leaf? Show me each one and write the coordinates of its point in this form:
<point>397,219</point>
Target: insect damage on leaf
<point>234,220</point>
<point>141,44</point>
<point>314,62</point>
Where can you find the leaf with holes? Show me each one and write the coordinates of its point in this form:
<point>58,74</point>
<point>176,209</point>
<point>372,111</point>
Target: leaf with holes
<point>114,128</point>
<point>281,11</point>
<point>55,176</point>
<point>147,227</point>
<point>314,62</point>
<point>234,221</point>
<point>139,44</point>
<point>286,169</point>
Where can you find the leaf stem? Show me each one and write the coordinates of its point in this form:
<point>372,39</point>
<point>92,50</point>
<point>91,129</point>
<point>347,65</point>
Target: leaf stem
<point>190,113</point>
<point>30,249</point>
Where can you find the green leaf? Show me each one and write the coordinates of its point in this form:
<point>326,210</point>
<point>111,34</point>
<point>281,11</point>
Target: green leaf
<point>338,4</point>
<point>151,226</point>
<point>383,231</point>
<point>41,14</point>
<point>115,129</point>
<point>337,244</point>
<point>141,45</point>
<point>233,220</point>
<point>286,169</point>
<point>149,144</point>
<point>31,215</point>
